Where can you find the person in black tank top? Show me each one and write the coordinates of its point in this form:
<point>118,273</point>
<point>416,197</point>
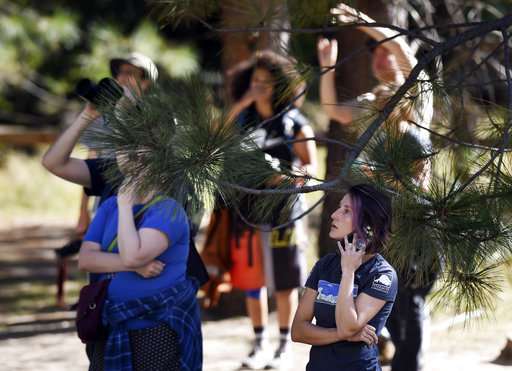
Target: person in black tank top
<point>266,104</point>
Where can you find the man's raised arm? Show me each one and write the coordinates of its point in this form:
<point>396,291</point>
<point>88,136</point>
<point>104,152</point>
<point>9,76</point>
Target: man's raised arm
<point>58,158</point>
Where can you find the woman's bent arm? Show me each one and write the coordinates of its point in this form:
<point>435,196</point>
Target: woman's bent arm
<point>92,259</point>
<point>137,247</point>
<point>303,331</point>
<point>352,315</point>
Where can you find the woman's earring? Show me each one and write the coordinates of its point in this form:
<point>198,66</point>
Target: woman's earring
<point>360,245</point>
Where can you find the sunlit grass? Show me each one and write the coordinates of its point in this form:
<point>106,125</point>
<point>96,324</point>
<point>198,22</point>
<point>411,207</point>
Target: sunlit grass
<point>28,191</point>
<point>38,296</point>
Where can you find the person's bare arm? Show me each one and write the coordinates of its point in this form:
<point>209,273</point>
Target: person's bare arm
<point>247,99</point>
<point>84,218</point>
<point>303,331</point>
<point>327,56</point>
<point>58,158</point>
<point>306,151</point>
<point>136,247</point>
<point>92,259</point>
<point>397,46</point>
<point>353,315</point>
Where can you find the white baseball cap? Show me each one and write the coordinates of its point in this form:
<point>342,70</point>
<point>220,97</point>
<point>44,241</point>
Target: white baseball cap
<point>138,60</point>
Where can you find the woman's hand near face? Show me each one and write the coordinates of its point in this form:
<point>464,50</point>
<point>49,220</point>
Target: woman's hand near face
<point>247,99</point>
<point>254,93</point>
<point>126,195</point>
<point>351,259</point>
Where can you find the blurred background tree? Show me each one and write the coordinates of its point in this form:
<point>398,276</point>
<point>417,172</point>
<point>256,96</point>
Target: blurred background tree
<point>47,46</point>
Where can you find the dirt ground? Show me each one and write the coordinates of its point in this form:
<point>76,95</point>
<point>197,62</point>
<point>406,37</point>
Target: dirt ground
<point>35,335</point>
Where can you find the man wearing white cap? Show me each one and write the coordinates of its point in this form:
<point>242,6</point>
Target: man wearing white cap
<point>134,72</point>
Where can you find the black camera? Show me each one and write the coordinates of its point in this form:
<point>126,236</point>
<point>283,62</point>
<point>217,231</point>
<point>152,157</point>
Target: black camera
<point>107,91</point>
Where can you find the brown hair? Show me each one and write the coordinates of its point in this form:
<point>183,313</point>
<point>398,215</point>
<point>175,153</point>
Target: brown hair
<point>287,82</point>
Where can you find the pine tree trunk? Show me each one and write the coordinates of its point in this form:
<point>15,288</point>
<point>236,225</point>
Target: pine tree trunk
<point>239,46</point>
<point>352,79</point>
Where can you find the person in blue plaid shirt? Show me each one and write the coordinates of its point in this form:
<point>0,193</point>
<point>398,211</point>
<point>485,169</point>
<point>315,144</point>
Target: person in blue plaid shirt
<point>152,315</point>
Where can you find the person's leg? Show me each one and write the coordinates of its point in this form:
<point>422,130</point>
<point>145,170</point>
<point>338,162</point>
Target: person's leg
<point>257,310</point>
<point>414,333</point>
<point>405,327</point>
<point>288,275</point>
<point>286,301</point>
<point>62,272</point>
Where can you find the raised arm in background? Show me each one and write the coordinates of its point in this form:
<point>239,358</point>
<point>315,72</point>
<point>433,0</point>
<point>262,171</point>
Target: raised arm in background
<point>58,158</point>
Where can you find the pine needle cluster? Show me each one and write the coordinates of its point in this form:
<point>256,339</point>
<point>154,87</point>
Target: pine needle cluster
<point>173,141</point>
<point>456,231</point>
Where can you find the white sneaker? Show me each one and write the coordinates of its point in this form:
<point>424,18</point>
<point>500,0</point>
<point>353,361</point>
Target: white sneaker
<point>259,356</point>
<point>283,358</point>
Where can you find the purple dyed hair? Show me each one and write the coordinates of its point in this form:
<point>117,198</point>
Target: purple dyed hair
<point>371,215</point>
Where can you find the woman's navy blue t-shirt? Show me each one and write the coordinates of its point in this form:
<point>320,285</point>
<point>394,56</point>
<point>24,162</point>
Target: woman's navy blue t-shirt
<point>168,217</point>
<point>375,277</point>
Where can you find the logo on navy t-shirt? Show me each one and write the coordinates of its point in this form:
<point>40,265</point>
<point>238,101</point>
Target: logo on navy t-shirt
<point>328,292</point>
<point>382,283</point>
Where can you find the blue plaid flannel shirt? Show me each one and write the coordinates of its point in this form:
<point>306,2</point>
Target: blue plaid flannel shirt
<point>175,306</point>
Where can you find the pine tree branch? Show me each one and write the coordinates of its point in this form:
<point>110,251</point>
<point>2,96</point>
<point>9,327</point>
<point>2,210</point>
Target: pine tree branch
<point>325,186</point>
<point>506,135</point>
<point>316,139</point>
<point>415,33</point>
<point>456,141</point>
<point>476,84</point>
<point>477,31</point>
<point>265,228</point>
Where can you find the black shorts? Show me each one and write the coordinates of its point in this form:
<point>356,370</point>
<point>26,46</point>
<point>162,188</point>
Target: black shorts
<point>286,259</point>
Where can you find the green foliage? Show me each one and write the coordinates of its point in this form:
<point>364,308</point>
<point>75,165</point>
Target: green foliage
<point>48,46</point>
<point>457,230</point>
<point>304,13</point>
<point>175,12</point>
<point>107,42</point>
<point>475,285</point>
<point>31,194</point>
<point>25,34</point>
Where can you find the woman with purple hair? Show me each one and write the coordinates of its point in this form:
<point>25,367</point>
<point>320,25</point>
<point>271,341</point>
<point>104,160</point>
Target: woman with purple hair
<point>350,293</point>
